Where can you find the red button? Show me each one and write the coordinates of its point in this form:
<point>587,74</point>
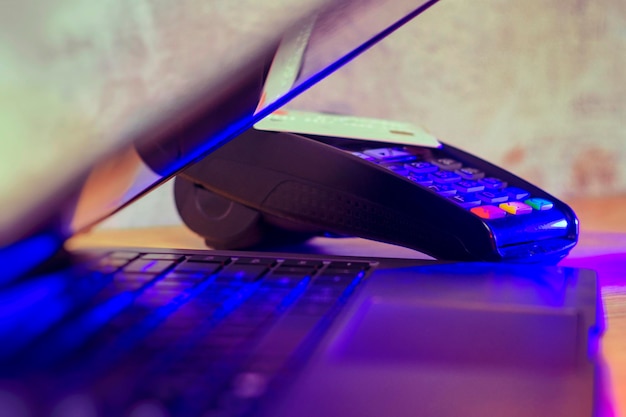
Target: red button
<point>488,212</point>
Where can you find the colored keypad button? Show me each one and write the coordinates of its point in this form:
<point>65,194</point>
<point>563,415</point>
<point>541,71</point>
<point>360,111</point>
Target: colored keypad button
<point>469,186</point>
<point>540,204</point>
<point>443,189</point>
<point>516,194</point>
<point>421,167</point>
<point>493,183</point>
<point>447,164</point>
<point>488,212</point>
<point>466,200</point>
<point>445,176</point>
<point>516,207</point>
<point>470,173</point>
<point>492,196</point>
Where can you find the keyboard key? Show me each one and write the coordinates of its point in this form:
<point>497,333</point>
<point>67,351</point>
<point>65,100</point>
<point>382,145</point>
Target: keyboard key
<point>322,294</point>
<point>516,207</point>
<point>268,296</point>
<point>422,179</point>
<point>158,295</point>
<point>470,173</point>
<point>443,189</point>
<point>466,200</point>
<point>293,270</point>
<point>329,279</point>
<point>349,265</point>
<point>539,203</point>
<point>421,167</point>
<point>123,255</point>
<point>133,277</point>
<point>209,259</point>
<point>469,186</point>
<point>282,280</point>
<point>106,265</point>
<point>493,183</point>
<point>170,283</point>
<point>398,168</point>
<point>302,263</point>
<point>363,156</point>
<point>206,268</point>
<point>123,282</point>
<point>148,266</point>
<point>492,197</point>
<point>389,155</point>
<point>242,273</point>
<point>448,164</point>
<point>516,194</point>
<point>346,272</point>
<point>267,262</point>
<point>186,276</point>
<point>445,177</point>
<point>162,256</point>
<point>488,212</point>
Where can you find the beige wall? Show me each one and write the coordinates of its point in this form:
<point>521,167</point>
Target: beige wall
<point>537,86</point>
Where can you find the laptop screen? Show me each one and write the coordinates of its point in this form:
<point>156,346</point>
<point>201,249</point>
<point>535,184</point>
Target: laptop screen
<point>102,101</point>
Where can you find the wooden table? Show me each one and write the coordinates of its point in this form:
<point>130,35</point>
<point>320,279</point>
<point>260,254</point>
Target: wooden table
<point>602,247</point>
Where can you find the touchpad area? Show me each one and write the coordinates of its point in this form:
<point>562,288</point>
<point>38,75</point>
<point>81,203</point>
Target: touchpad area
<point>461,334</point>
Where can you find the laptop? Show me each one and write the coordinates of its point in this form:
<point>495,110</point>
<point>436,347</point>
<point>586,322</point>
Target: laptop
<point>93,124</point>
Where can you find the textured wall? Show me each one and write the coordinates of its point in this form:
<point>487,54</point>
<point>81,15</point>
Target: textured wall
<point>537,86</point>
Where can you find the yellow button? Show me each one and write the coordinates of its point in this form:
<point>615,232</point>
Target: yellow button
<point>516,207</point>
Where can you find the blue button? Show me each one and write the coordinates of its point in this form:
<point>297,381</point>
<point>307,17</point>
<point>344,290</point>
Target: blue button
<point>443,189</point>
<point>389,155</point>
<point>469,186</point>
<point>423,179</point>
<point>445,177</point>
<point>447,164</point>
<point>466,200</point>
<point>363,156</point>
<point>516,194</point>
<point>397,168</point>
<point>470,173</point>
<point>493,197</point>
<point>421,167</point>
<point>493,183</point>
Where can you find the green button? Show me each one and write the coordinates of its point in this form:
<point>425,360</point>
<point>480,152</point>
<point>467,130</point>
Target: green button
<point>539,203</point>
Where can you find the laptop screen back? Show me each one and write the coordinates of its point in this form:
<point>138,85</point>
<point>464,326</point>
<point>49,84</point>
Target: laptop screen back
<point>103,101</point>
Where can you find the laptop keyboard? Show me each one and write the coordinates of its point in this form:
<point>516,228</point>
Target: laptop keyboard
<point>191,334</point>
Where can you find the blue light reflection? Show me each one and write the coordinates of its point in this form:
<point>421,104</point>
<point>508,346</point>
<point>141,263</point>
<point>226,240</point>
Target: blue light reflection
<point>29,310</point>
<point>20,257</point>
